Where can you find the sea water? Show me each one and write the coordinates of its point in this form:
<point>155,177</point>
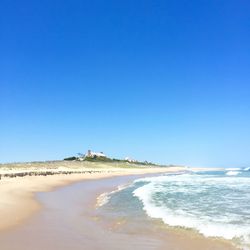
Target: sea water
<point>213,203</point>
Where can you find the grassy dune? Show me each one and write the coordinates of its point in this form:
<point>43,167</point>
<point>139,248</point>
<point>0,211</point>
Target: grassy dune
<point>66,167</point>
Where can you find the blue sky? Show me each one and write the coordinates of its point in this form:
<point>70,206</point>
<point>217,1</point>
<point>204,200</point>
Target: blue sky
<point>164,81</point>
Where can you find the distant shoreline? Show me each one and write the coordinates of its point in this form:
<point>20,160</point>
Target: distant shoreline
<point>46,168</point>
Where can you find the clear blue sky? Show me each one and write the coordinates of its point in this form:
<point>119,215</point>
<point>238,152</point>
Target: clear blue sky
<point>164,81</point>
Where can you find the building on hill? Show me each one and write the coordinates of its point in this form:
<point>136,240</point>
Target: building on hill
<point>129,159</point>
<point>94,154</point>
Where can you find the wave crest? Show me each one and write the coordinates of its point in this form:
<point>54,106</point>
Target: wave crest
<point>232,173</point>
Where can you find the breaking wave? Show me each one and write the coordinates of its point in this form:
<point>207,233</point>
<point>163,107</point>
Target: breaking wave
<point>215,206</point>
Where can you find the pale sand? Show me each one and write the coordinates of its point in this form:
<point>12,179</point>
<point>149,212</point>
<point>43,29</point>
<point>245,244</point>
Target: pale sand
<point>17,201</point>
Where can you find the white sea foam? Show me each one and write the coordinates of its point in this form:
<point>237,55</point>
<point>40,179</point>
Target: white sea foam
<point>230,173</point>
<point>214,206</point>
<point>104,198</point>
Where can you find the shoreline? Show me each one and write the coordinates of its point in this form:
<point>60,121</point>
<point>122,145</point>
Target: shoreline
<point>18,201</point>
<point>68,220</point>
<point>19,205</point>
<point>170,237</point>
<point>68,213</point>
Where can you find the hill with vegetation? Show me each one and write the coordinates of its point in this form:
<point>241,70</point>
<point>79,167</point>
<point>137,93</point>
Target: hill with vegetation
<point>107,159</point>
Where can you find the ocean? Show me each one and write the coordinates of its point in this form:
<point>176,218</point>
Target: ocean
<point>212,203</point>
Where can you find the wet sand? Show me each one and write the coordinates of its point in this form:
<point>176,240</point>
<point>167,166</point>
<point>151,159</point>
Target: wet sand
<point>68,220</point>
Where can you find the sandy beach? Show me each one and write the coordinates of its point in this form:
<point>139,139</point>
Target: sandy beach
<point>17,194</point>
<point>37,212</point>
